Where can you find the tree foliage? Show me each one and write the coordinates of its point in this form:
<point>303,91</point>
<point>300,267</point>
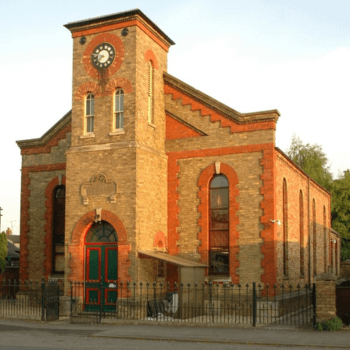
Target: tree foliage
<point>3,251</point>
<point>312,160</point>
<point>341,210</point>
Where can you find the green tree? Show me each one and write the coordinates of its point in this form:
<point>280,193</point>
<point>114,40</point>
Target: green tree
<point>3,251</point>
<point>341,211</point>
<point>312,160</point>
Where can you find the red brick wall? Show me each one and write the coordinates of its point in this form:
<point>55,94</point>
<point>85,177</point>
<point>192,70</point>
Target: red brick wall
<point>25,194</point>
<point>268,248</point>
<point>177,130</point>
<point>48,227</point>
<point>298,181</point>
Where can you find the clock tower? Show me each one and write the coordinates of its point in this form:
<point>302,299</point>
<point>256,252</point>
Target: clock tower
<point>116,166</point>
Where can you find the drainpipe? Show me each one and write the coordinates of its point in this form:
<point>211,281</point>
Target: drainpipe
<point>309,229</point>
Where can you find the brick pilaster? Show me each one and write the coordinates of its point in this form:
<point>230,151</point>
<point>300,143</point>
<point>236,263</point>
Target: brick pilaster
<point>325,297</point>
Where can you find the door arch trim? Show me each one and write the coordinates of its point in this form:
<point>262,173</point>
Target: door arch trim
<point>77,245</point>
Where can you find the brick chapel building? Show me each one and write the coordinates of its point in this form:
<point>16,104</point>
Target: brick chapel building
<point>147,174</point>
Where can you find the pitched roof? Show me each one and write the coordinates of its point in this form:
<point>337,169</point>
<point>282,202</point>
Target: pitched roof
<point>41,141</point>
<point>14,238</point>
<point>221,108</point>
<point>118,16</point>
<point>12,250</point>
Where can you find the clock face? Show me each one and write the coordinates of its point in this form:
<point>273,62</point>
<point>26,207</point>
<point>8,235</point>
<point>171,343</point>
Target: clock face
<point>103,55</point>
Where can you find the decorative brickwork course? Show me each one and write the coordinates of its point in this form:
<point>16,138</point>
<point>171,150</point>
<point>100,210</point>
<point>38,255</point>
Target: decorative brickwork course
<point>88,87</point>
<point>214,116</point>
<point>62,134</point>
<point>116,83</point>
<point>177,130</point>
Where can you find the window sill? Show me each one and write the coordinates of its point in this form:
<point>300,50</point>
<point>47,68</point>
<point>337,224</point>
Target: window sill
<point>88,136</point>
<point>117,132</point>
<point>218,278</point>
<point>151,125</point>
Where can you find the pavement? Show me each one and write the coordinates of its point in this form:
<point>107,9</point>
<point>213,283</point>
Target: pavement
<point>269,335</point>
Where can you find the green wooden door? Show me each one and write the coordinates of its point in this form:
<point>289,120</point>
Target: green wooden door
<point>101,269</point>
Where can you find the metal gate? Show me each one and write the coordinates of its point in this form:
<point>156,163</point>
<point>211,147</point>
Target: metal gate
<point>51,301</point>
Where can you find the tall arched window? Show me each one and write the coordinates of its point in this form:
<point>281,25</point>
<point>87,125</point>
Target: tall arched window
<point>285,229</point>
<point>89,113</point>
<point>301,232</point>
<point>314,235</point>
<point>58,225</point>
<point>119,109</point>
<point>336,257</point>
<point>219,226</point>
<point>150,93</point>
<point>325,239</point>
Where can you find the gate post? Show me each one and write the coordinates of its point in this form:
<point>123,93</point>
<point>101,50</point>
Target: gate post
<point>101,298</point>
<point>42,299</point>
<point>314,303</point>
<point>325,297</point>
<point>254,304</point>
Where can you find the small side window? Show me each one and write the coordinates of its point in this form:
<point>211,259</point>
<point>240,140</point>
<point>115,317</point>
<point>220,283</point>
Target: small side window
<point>150,93</point>
<point>89,113</point>
<point>119,109</point>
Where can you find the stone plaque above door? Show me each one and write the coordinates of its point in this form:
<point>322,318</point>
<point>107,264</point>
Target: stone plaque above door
<point>98,187</point>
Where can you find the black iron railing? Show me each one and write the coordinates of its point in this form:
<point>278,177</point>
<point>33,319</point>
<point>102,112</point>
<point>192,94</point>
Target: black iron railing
<point>29,299</point>
<point>193,303</point>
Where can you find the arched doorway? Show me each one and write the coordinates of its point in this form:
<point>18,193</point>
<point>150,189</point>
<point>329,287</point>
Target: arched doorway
<point>101,266</point>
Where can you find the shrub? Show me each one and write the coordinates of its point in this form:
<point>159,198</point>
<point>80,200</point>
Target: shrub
<point>332,325</point>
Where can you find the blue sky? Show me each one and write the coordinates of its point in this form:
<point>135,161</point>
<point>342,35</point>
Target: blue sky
<point>250,55</point>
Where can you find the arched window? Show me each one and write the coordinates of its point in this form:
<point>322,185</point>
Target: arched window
<point>58,225</point>
<point>219,226</point>
<point>285,229</point>
<point>336,257</point>
<point>301,232</point>
<point>150,93</point>
<point>314,235</point>
<point>89,113</point>
<point>119,109</point>
<point>101,232</point>
<point>325,239</point>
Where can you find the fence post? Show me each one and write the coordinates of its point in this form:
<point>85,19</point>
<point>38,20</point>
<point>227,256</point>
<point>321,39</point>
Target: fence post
<point>314,304</point>
<point>42,299</point>
<point>101,296</point>
<point>71,298</point>
<point>254,304</point>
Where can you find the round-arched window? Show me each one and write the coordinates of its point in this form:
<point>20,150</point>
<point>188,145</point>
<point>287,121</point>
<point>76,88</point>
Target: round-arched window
<point>219,226</point>
<point>101,232</point>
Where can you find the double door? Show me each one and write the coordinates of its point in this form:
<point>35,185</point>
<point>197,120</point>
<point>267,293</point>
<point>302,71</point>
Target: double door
<point>101,281</point>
